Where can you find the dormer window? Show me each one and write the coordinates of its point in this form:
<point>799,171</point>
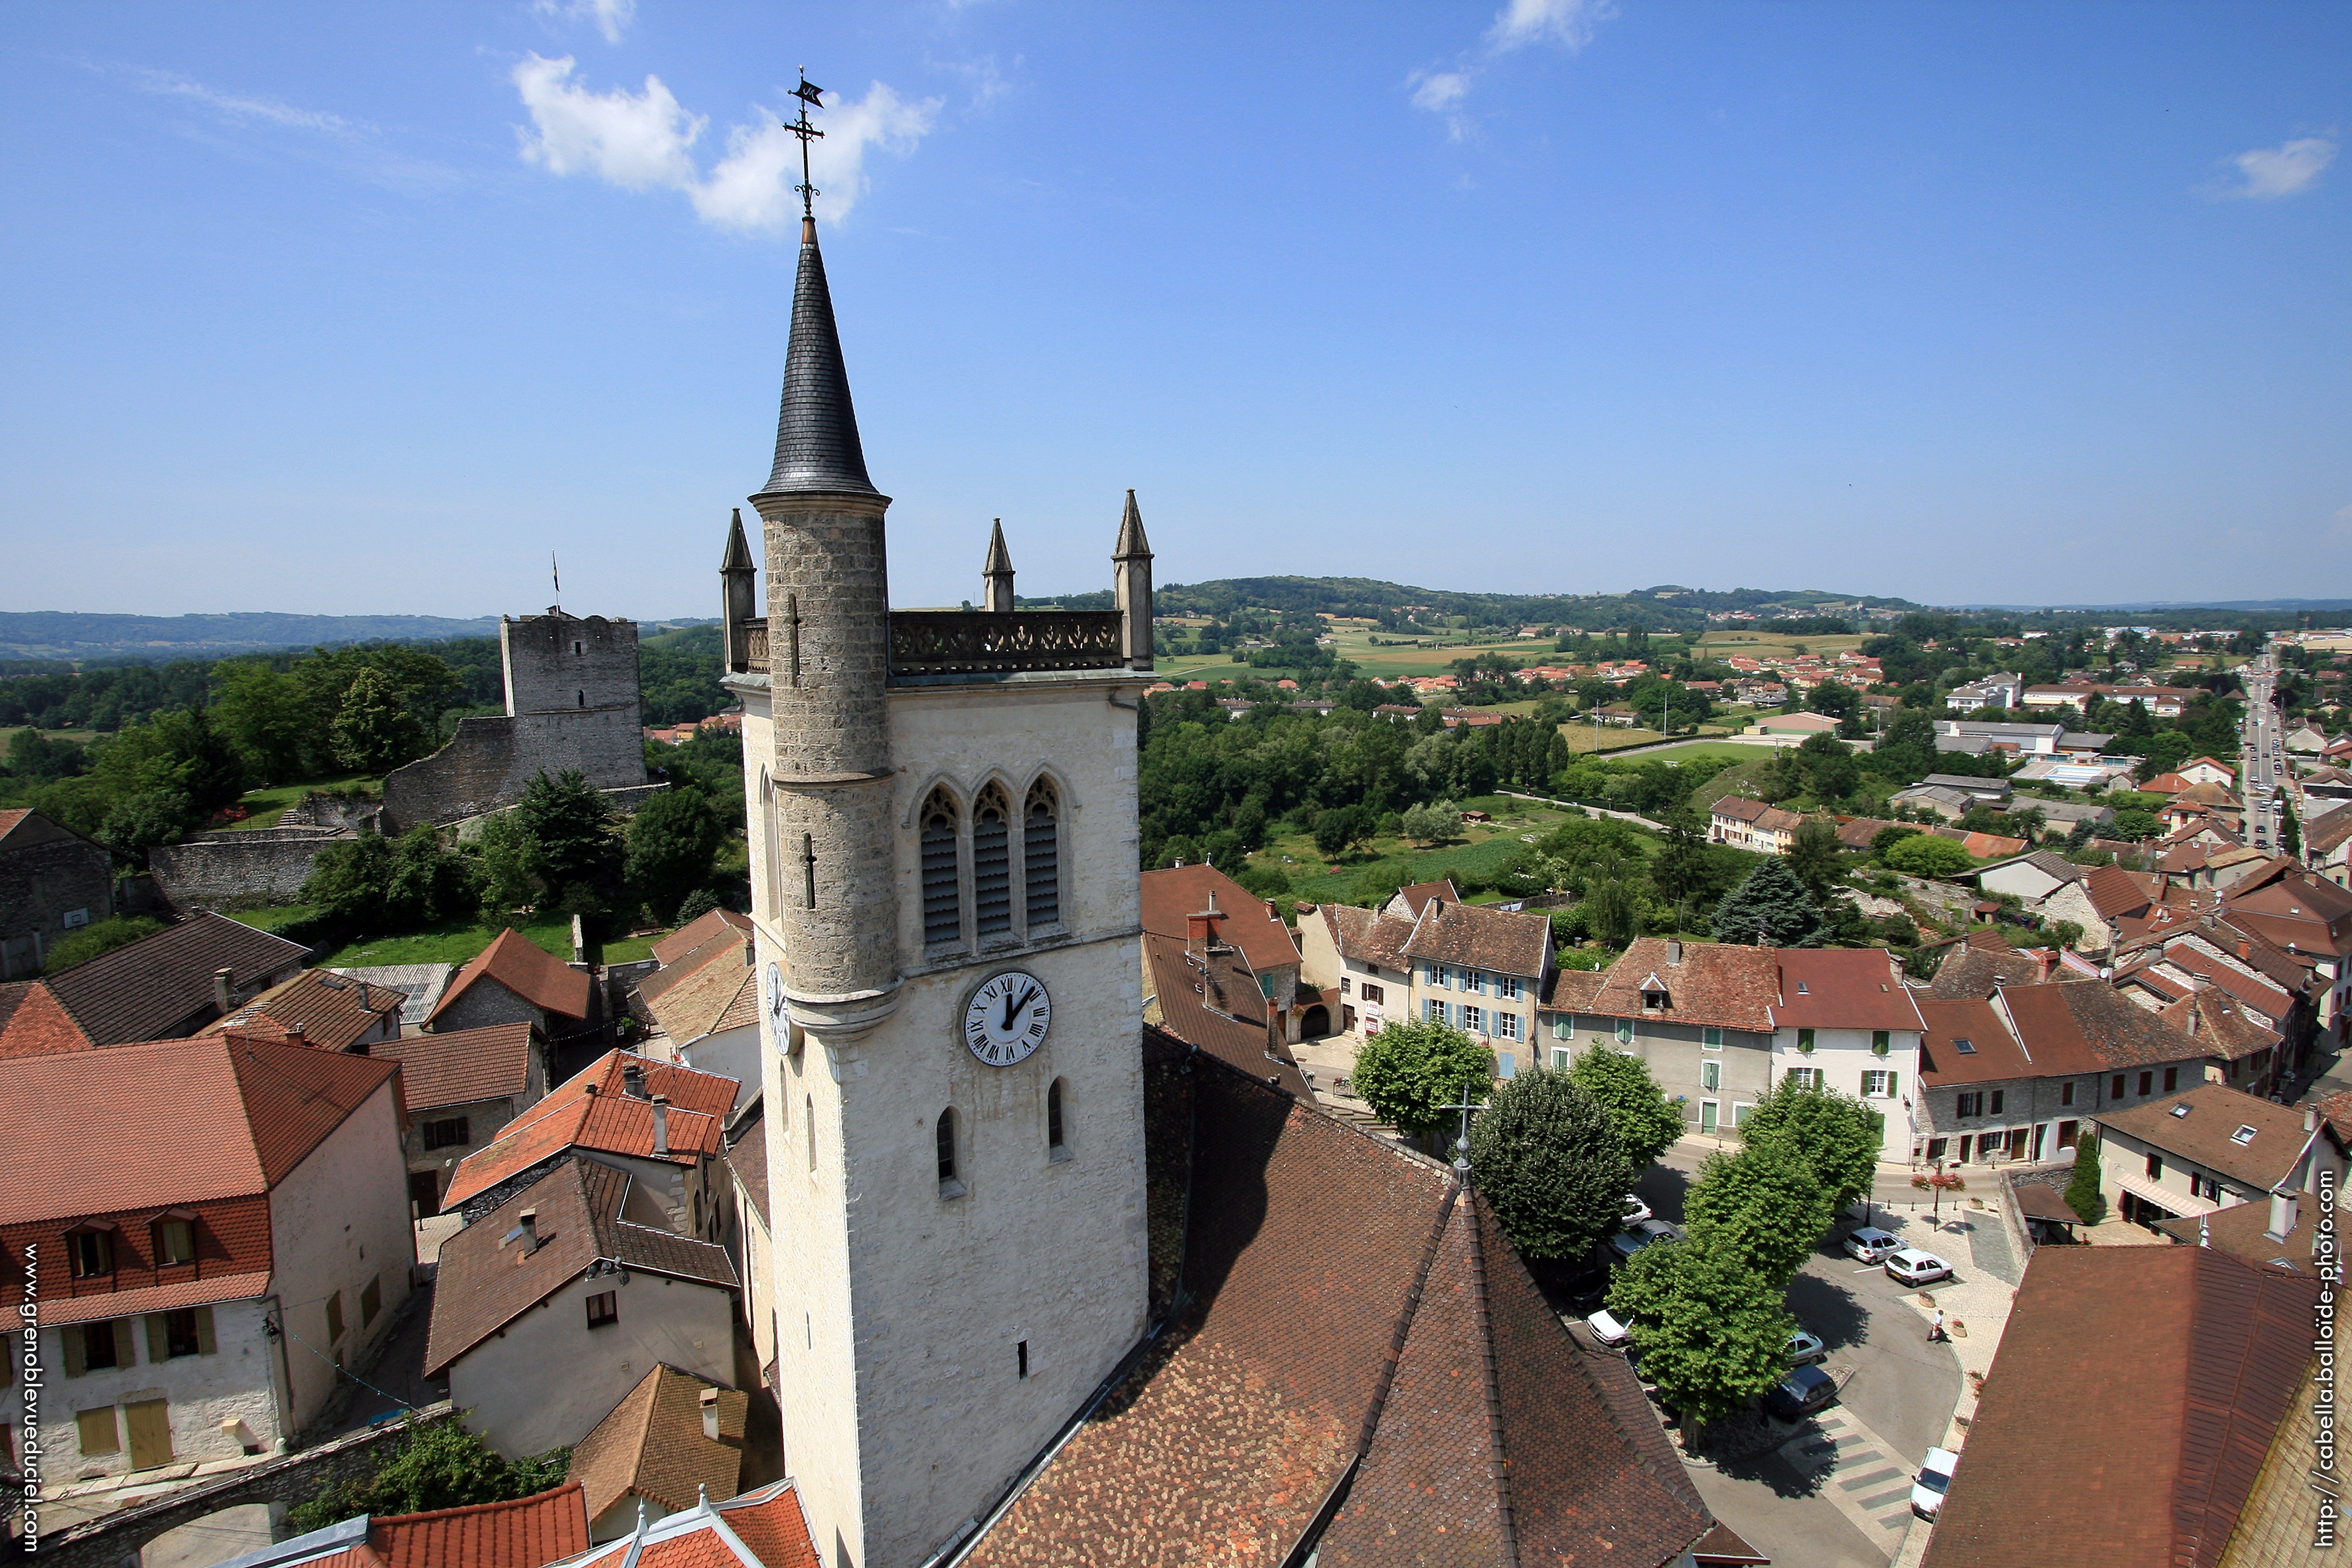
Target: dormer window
<point>89,1249</point>
<point>175,1237</point>
<point>1653,994</point>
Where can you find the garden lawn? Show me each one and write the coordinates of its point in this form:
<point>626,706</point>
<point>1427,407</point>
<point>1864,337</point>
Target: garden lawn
<point>453,943</point>
<point>275,918</point>
<point>268,804</point>
<point>1480,850</point>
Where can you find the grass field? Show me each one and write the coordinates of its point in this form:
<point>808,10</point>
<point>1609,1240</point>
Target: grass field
<point>1755,642</point>
<point>1703,750</point>
<point>268,804</point>
<point>78,737</point>
<point>1480,849</point>
<point>458,943</point>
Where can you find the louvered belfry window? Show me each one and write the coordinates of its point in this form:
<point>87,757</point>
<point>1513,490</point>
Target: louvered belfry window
<point>1042,856</point>
<point>943,897</point>
<point>992,862</point>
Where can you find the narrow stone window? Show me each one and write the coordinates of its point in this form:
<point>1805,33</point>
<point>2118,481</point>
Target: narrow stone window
<point>810,1102</point>
<point>1021,1357</point>
<point>1057,1140</point>
<point>772,841</point>
<point>580,698</point>
<point>1041,852</point>
<point>991,863</point>
<point>950,1187</point>
<point>942,852</point>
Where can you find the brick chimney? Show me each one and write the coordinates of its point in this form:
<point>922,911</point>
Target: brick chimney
<point>661,1124</point>
<point>1200,934</point>
<point>528,1223</point>
<point>220,979</point>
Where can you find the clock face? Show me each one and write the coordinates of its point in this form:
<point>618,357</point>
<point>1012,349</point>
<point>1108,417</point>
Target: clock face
<point>779,1012</point>
<point>1007,1017</point>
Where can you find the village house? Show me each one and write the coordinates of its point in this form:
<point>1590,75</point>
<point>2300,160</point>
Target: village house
<point>162,987</point>
<point>672,1441</point>
<point>53,880</point>
<point>1992,691</point>
<point>1751,825</point>
<point>232,1231</point>
<point>320,1009</point>
<point>547,1315</point>
<point>1177,900</point>
<point>704,1001</point>
<point>1425,954</point>
<point>462,1090</point>
<point>516,981</point>
<point>2212,1148</point>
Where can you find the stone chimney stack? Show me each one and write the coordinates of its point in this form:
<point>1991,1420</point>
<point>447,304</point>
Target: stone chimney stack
<point>661,1124</point>
<point>1673,950</point>
<point>996,574</point>
<point>221,978</point>
<point>1131,586</point>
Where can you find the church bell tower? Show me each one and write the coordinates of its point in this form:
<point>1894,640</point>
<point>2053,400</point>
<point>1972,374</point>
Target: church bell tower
<point>941,814</point>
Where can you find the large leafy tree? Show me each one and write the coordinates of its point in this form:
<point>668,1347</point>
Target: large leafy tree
<point>373,729</point>
<point>572,849</point>
<point>1770,909</point>
<point>1764,1203</point>
<point>1646,1123</point>
<point>1836,1135</point>
<point>1410,1071</point>
<point>264,712</point>
<point>1815,856</point>
<point>181,753</point>
<point>1713,1333</point>
<point>137,823</point>
<point>1926,854</point>
<point>672,841</point>
<point>1547,1158</point>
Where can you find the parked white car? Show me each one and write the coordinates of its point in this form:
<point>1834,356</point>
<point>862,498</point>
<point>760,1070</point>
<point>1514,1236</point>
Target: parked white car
<point>1608,1330</point>
<point>1933,1479</point>
<point>1636,1211</point>
<point>1869,1243</point>
<point>1912,1267</point>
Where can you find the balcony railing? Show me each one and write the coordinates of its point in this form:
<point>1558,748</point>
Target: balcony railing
<point>978,642</point>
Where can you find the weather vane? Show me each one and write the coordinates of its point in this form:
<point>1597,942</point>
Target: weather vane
<point>809,96</point>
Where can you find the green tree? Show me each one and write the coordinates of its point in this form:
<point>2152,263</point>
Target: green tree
<point>1835,1134</point>
<point>1713,1333</point>
<point>348,879</point>
<point>1816,858</point>
<point>502,859</point>
<point>695,905</point>
<point>137,823</point>
<point>2083,1194</point>
<point>2135,824</point>
<point>426,882</point>
<point>1412,1070</point>
<point>373,731</point>
<point>1432,824</point>
<point>1926,854</point>
<point>568,828</point>
<point>2290,831</point>
<point>1764,1203</point>
<point>1341,826</point>
<point>1646,1122</point>
<point>439,1464</point>
<point>1769,908</point>
<point>1888,837</point>
<point>672,841</point>
<point>33,755</point>
<point>181,753</point>
<point>1612,911</point>
<point>104,936</point>
<point>265,713</point>
<point>1548,1159</point>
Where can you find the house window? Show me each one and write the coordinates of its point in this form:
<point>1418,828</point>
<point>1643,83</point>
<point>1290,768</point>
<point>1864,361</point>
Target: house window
<point>181,1338</point>
<point>604,1309</point>
<point>1740,1112</point>
<point>1936,1148</point>
<point>2204,1186</point>
<point>1653,1001</point>
<point>2147,1082</point>
<point>1506,1025</point>
<point>450,1132</point>
<point>96,1433</point>
<point>1563,1026</point>
<point>175,1243</point>
<point>1041,857</point>
<point>1710,1039</point>
<point>2242,1136</point>
<point>1998,1097</point>
<point>1965,1106</point>
<point>1373,995</point>
<point>2172,1077</point>
<point>1878,1086</point>
<point>1058,1143</point>
<point>992,862</point>
<point>1624,1031</point>
<point>2066,1133</point>
<point>372,1298</point>
<point>1710,1076</point>
<point>1559,1058</point>
<point>1474,1019</point>
<point>1881,1042</point>
<point>2115,1090</point>
<point>941,854</point>
<point>2066,1096</point>
<point>334,1317</point>
<point>1346,986</point>
<point>1432,1009</point>
<point>89,1254</point>
<point>2155,1166</point>
<point>103,1348</point>
<point>1507,986</point>
<point>945,1132</point>
<point>1804,1039</point>
<point>1805,1078</point>
<point>1435,974</point>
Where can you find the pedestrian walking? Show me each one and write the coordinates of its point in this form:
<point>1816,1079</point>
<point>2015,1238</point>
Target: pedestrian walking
<point>1935,1329</point>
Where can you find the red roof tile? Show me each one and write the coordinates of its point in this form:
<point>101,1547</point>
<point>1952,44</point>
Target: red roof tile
<point>528,970</point>
<point>653,1445</point>
<point>1171,896</point>
<point>1214,1003</point>
<point>330,1012</point>
<point>163,983</point>
<point>523,1533</point>
<point>696,932</point>
<point>1714,983</point>
<point>761,1528</point>
<point>33,1023</point>
<point>1842,988</point>
<point>461,1068</point>
<point>197,1292</point>
<point>591,1110</point>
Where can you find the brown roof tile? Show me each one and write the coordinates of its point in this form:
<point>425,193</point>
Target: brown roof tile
<point>1842,988</point>
<point>528,970</point>
<point>2242,1230</point>
<point>462,1066</point>
<point>1481,938</point>
<point>591,1111</point>
<point>2215,1021</point>
<point>697,931</point>
<point>153,986</point>
<point>747,1155</point>
<point>2085,1027</point>
<point>1973,971</point>
<point>1572,990</point>
<point>1416,894</point>
<point>1171,896</point>
<point>653,1445</point>
<point>705,990</point>
<point>1213,1002</point>
<point>1366,936</point>
<point>2162,1447</point>
<point>1714,983</point>
<point>2206,1135</point>
<point>522,1533</point>
<point>316,1007</point>
<point>1993,1055</point>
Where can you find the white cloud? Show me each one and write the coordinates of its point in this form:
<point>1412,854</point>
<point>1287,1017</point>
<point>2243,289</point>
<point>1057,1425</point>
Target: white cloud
<point>241,106</point>
<point>1567,23</point>
<point>645,141</point>
<point>1439,91</point>
<point>609,16</point>
<point>2266,174</point>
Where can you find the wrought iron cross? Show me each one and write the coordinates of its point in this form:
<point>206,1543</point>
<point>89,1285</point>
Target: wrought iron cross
<point>810,96</point>
<point>792,632</point>
<point>1462,1144</point>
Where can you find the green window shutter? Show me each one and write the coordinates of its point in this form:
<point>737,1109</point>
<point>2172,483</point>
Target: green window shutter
<point>1893,1084</point>
<point>205,1343</point>
<point>126,1353</point>
<point>159,1344</point>
<point>75,1364</point>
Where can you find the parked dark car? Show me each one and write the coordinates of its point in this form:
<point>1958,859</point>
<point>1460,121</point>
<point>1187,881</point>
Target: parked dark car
<point>1801,1393</point>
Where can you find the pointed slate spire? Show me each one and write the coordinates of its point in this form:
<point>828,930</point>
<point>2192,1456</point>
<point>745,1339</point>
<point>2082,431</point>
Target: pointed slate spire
<point>739,548</point>
<point>1131,543</point>
<point>999,558</point>
<point>816,429</point>
<point>996,574</point>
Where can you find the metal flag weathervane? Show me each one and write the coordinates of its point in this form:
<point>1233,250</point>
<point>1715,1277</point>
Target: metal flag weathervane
<point>810,97</point>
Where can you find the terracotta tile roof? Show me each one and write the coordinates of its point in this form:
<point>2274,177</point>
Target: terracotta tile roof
<point>10,818</point>
<point>1171,896</point>
<point>710,986</point>
<point>528,970</point>
<point>763,1529</point>
<point>697,930</point>
<point>2207,1134</point>
<point>177,1122</point>
<point>485,1278</point>
<point>1368,936</point>
<point>1312,1250</point>
<point>1973,971</point>
<point>726,943</point>
<point>2160,1446</point>
<point>747,1154</point>
<point>33,1023</point>
<point>2115,892</point>
<point>462,1066</point>
<point>1856,832</point>
<point>1994,1053</point>
<point>1416,894</point>
<point>652,1446</point>
<point>1842,988</point>
<point>149,989</point>
<point>2292,910</point>
<point>2259,991</point>
<point>1482,938</point>
<point>1215,1004</point>
<point>330,1011</point>
<point>1572,990</point>
<point>2219,1023</point>
<point>1715,983</point>
<point>591,1110</point>
<point>2088,1027</point>
<point>203,1292</point>
<point>522,1533</point>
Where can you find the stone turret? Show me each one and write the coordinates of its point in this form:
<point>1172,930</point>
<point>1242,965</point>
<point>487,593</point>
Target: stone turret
<point>828,669</point>
<point>739,595</point>
<point>996,574</point>
<point>1131,583</point>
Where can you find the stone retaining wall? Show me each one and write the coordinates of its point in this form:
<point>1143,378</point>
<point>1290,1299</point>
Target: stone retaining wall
<point>233,869</point>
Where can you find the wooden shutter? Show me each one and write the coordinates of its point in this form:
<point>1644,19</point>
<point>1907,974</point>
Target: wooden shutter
<point>205,1343</point>
<point>125,1341</point>
<point>159,1340</point>
<point>75,1362</point>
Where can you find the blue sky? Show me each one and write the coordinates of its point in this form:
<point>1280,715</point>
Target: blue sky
<point>326,308</point>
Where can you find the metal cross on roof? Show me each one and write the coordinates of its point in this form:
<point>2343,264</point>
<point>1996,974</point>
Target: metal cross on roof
<point>811,96</point>
<point>1462,1144</point>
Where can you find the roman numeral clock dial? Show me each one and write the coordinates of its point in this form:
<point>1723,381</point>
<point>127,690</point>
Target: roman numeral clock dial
<point>1007,1017</point>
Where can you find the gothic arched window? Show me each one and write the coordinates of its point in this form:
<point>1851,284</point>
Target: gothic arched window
<point>1042,856</point>
<point>949,1185</point>
<point>992,862</point>
<point>941,850</point>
